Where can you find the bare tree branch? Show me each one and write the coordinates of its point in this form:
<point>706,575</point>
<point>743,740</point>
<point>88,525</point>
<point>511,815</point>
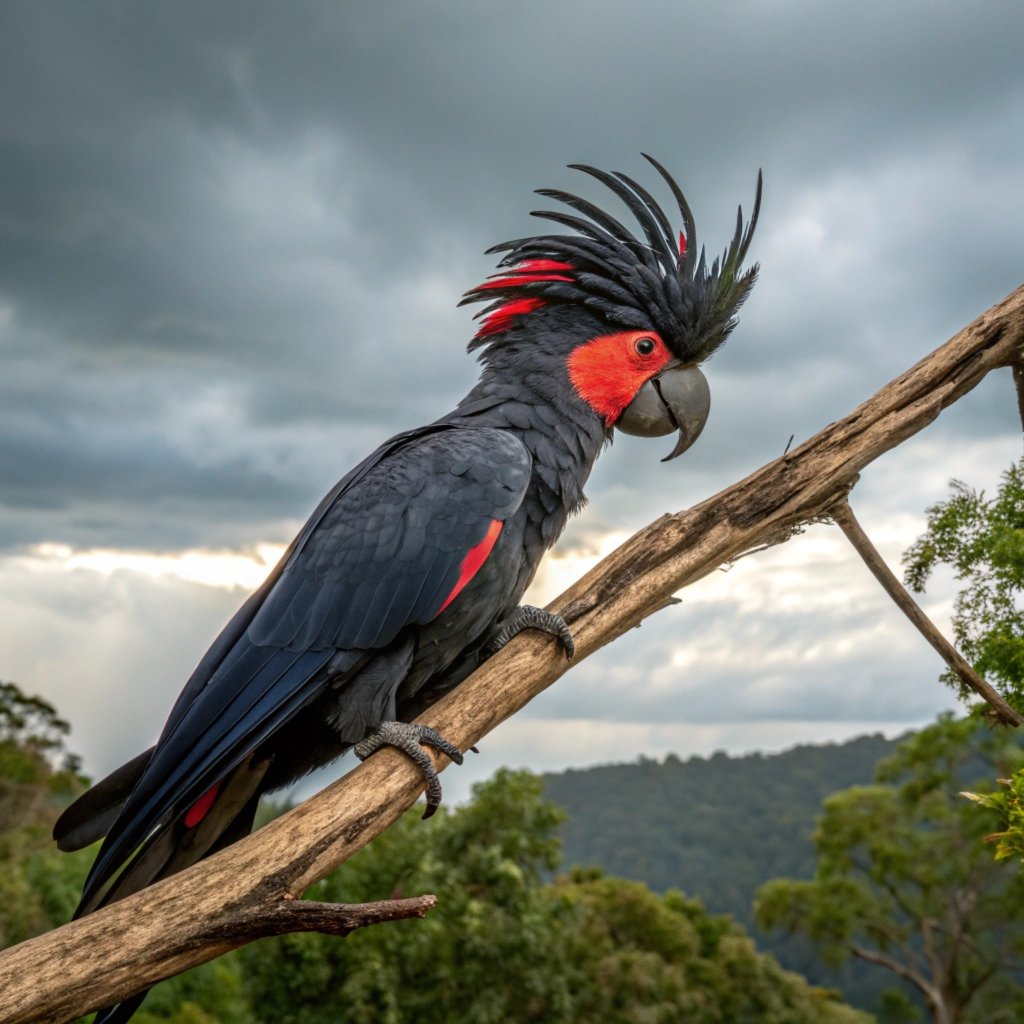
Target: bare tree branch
<point>934,996</point>
<point>207,909</point>
<point>291,915</point>
<point>847,522</point>
<point>1018,383</point>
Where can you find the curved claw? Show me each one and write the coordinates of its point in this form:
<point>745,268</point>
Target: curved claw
<point>529,617</point>
<point>407,737</point>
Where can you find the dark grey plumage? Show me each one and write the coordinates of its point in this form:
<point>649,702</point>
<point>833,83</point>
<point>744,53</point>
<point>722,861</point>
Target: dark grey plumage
<point>420,554</point>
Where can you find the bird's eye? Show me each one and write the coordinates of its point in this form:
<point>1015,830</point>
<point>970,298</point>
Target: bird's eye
<point>644,346</point>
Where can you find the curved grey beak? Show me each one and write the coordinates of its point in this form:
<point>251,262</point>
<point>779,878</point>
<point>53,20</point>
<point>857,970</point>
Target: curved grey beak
<point>677,399</point>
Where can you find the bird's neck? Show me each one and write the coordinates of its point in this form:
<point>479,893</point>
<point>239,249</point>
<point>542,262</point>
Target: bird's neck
<point>563,435</point>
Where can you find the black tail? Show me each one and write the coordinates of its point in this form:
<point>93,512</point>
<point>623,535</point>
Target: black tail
<point>170,849</point>
<point>120,1012</point>
<point>87,820</point>
<point>179,843</point>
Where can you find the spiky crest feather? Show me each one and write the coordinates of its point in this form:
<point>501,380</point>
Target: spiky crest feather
<point>659,284</point>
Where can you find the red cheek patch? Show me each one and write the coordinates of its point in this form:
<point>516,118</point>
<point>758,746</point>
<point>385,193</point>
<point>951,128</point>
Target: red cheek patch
<point>607,372</point>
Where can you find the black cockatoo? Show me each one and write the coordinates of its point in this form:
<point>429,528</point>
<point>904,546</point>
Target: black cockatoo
<point>412,568</point>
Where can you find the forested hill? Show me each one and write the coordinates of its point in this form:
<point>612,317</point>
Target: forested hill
<point>717,828</point>
<point>714,827</point>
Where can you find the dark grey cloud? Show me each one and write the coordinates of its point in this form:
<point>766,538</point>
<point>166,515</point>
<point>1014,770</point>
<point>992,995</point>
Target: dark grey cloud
<point>274,208</point>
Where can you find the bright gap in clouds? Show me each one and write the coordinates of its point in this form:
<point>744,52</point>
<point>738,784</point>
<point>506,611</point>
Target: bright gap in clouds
<point>247,569</point>
<point>560,569</point>
<point>227,569</point>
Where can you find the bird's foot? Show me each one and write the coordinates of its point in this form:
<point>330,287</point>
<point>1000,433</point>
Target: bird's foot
<point>528,617</point>
<point>407,737</point>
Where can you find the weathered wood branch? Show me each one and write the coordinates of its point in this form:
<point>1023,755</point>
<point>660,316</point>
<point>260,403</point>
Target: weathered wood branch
<point>290,915</point>
<point>847,522</point>
<point>195,916</point>
<point>1018,383</point>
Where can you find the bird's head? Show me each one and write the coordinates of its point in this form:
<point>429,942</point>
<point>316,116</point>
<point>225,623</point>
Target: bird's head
<point>628,321</point>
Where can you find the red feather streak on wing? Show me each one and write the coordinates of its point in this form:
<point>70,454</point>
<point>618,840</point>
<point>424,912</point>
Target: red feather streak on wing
<point>201,807</point>
<point>475,557</point>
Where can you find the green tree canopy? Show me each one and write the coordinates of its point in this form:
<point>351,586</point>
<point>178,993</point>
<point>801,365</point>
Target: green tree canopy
<point>38,886</point>
<point>503,945</point>
<point>982,540</point>
<point>905,881</point>
<point>503,948</point>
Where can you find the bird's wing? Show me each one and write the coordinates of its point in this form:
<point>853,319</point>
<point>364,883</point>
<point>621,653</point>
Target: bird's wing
<point>388,551</point>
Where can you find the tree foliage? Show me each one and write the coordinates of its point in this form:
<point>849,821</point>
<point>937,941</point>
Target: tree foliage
<point>982,540</point>
<point>672,824</point>
<point>502,947</point>
<point>718,827</point>
<point>1008,804</point>
<point>905,881</point>
<point>38,886</point>
<point>653,958</point>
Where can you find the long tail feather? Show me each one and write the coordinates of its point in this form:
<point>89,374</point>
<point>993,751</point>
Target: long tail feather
<point>87,820</point>
<point>119,1013</point>
<point>175,847</point>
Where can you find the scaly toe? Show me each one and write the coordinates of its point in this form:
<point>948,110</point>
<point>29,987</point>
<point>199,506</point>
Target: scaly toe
<point>529,617</point>
<point>408,738</point>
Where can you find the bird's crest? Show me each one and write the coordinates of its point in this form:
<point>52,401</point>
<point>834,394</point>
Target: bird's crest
<point>659,283</point>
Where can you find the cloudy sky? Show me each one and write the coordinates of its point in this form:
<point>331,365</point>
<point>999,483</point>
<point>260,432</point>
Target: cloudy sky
<point>232,239</point>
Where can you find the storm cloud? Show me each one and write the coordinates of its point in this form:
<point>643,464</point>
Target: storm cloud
<point>233,237</point>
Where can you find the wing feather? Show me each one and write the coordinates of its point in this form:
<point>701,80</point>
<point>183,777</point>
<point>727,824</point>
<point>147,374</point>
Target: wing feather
<point>408,525</point>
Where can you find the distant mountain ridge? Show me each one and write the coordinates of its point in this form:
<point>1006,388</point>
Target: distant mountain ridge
<point>717,828</point>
